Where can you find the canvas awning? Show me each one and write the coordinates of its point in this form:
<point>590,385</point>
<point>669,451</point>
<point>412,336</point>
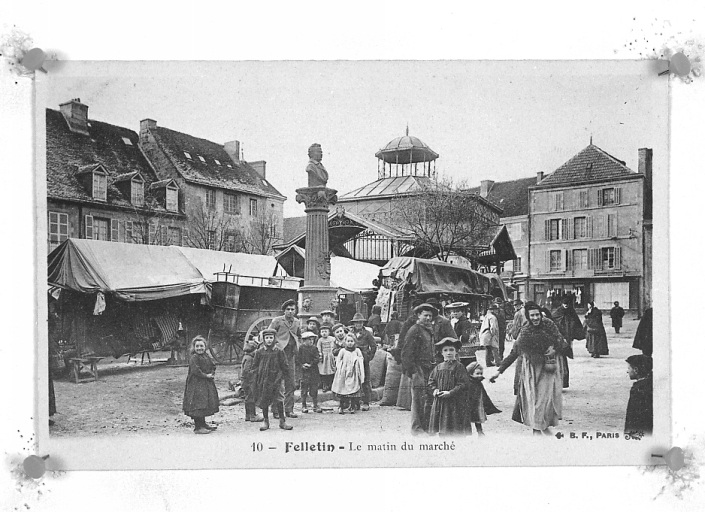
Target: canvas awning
<point>435,276</point>
<point>253,265</point>
<point>131,272</point>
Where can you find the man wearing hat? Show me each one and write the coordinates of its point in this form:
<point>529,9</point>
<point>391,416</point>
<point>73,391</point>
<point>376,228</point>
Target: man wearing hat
<point>288,336</point>
<point>501,324</point>
<point>442,328</point>
<point>417,358</point>
<point>460,323</point>
<point>489,336</point>
<point>327,317</point>
<point>617,313</point>
<point>519,319</point>
<point>367,345</point>
<point>568,322</point>
<point>640,408</point>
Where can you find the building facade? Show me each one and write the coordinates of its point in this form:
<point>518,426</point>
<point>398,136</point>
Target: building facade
<point>100,186</point>
<point>586,231</point>
<point>229,203</point>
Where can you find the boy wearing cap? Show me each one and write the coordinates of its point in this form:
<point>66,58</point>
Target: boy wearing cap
<point>310,378</point>
<point>287,330</point>
<point>417,358</point>
<point>367,345</point>
<point>448,383</point>
<point>640,408</point>
<point>271,369</point>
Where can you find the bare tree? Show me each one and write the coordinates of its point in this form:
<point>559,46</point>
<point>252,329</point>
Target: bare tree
<point>212,230</point>
<point>261,234</point>
<point>444,220</point>
<point>146,222</point>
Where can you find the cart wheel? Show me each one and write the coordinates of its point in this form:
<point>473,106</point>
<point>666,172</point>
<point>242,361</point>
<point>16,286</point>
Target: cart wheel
<point>258,326</point>
<point>225,347</point>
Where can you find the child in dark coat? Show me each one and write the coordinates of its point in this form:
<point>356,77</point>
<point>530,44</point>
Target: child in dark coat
<point>200,395</point>
<point>247,376</point>
<point>640,408</point>
<point>478,402</point>
<point>448,382</point>
<point>310,378</point>
<point>270,367</point>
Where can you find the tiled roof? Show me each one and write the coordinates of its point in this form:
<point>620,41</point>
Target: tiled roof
<point>592,164</point>
<point>161,183</point>
<point>67,152</point>
<point>293,227</point>
<point>228,175</point>
<point>511,196</point>
<point>125,177</point>
<point>388,187</point>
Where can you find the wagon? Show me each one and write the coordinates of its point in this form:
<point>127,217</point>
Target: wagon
<point>242,307</point>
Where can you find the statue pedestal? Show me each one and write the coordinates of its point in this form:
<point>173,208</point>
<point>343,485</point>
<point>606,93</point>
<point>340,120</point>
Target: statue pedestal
<point>317,268</point>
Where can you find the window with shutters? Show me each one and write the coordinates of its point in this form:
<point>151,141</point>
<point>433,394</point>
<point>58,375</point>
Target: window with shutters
<point>580,259</point>
<point>114,230</point>
<point>231,203</point>
<point>583,199</point>
<point>174,236</point>
<point>100,186</point>
<point>555,201</point>
<point>609,196</point>
<point>137,192</point>
<point>210,199</point>
<point>580,227</point>
<point>554,229</point>
<point>554,261</point>
<point>610,258</point>
<point>611,225</point>
<point>101,229</point>
<point>58,229</point>
<point>517,265</point>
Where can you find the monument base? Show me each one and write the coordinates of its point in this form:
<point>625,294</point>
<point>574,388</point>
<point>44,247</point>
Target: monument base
<point>320,300</point>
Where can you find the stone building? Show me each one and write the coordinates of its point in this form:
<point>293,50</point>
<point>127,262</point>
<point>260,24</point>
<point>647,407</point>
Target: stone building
<point>587,230</point>
<point>229,203</point>
<point>100,185</point>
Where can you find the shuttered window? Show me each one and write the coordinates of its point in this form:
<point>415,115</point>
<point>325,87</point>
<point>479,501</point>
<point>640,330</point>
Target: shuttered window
<point>88,227</point>
<point>580,227</point>
<point>583,201</point>
<point>114,230</point>
<point>612,225</point>
<point>555,263</point>
<point>609,196</point>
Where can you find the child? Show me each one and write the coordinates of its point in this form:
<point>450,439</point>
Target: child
<point>640,409</point>
<point>326,365</point>
<point>349,375</point>
<point>448,382</point>
<point>200,395</point>
<point>339,331</point>
<point>313,325</point>
<point>247,377</point>
<point>478,403</point>
<point>270,367</point>
<point>310,378</point>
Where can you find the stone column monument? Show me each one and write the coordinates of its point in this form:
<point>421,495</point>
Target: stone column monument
<point>317,198</point>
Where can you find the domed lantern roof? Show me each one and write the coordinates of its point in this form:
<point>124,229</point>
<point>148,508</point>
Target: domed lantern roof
<point>406,150</point>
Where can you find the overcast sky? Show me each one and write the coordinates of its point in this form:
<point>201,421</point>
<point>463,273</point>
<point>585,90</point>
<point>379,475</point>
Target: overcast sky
<point>487,120</point>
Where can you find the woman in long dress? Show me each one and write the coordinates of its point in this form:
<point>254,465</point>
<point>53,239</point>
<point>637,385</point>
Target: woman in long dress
<point>539,402</point>
<point>596,336</point>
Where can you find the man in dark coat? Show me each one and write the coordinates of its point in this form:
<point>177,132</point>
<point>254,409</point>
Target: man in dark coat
<point>417,358</point>
<point>288,337</point>
<point>640,408</point>
<point>644,338</point>
<point>462,327</point>
<point>367,345</point>
<point>442,328</point>
<point>571,328</point>
<point>616,313</point>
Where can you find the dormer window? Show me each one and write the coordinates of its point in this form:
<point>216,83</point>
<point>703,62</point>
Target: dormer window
<point>187,155</point>
<point>172,198</point>
<point>127,141</point>
<point>167,194</point>
<point>137,191</point>
<point>100,186</point>
<point>202,159</point>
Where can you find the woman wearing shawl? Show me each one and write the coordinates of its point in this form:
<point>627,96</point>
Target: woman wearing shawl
<point>539,403</point>
<point>596,336</point>
<point>570,326</point>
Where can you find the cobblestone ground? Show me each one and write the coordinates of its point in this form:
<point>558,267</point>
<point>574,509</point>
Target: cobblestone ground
<point>147,400</point>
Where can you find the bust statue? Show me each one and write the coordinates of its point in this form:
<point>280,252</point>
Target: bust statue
<point>317,174</point>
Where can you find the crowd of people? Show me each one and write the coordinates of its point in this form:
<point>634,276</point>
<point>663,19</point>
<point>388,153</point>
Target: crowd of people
<point>446,396</point>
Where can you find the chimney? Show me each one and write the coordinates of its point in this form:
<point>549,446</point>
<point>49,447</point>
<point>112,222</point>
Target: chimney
<point>145,126</point>
<point>261,167</point>
<point>232,148</point>
<point>645,159</point>
<point>485,186</point>
<point>539,177</point>
<point>76,115</point>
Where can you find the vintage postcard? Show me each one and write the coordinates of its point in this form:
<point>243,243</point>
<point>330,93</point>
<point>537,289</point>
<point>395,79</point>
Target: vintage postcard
<point>352,264</point>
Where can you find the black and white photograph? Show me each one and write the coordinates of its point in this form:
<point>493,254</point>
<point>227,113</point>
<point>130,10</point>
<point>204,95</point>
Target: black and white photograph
<point>426,259</point>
